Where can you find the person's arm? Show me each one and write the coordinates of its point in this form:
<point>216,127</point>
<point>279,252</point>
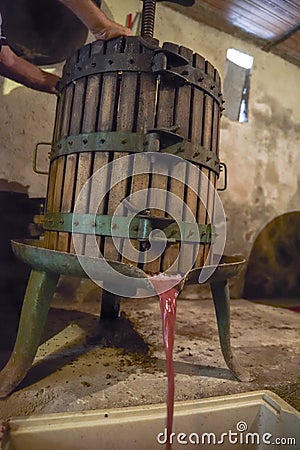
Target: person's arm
<point>95,20</point>
<point>22,71</point>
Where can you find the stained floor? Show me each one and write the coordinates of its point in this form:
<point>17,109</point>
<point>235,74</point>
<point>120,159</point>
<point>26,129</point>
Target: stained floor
<point>83,364</point>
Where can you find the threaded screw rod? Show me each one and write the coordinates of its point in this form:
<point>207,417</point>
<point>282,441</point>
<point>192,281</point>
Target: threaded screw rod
<point>148,18</point>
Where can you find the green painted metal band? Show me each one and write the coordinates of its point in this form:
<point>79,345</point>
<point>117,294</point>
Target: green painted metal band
<point>195,153</point>
<point>101,141</point>
<point>125,141</point>
<point>137,227</point>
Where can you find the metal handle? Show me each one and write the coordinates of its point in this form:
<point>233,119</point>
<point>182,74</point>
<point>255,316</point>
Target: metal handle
<point>35,156</point>
<point>223,168</point>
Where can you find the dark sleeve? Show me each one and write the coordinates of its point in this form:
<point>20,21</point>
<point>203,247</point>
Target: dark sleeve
<point>2,38</point>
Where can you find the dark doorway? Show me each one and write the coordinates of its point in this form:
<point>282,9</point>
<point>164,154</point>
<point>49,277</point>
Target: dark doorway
<point>274,265</point>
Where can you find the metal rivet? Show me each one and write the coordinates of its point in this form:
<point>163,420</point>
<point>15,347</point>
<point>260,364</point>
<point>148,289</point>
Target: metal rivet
<point>70,143</point>
<point>85,141</point>
<point>124,142</point>
<point>212,87</point>
<point>184,72</point>
<point>131,61</point>
<point>110,61</point>
<point>76,223</point>
<point>200,79</point>
<point>102,141</point>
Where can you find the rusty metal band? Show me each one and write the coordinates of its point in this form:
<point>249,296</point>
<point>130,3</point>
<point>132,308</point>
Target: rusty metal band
<point>123,141</point>
<point>159,63</point>
<point>134,227</point>
<point>119,62</point>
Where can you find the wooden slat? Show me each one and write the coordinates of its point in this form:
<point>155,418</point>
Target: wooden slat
<point>53,165</point>
<point>141,163</point>
<point>75,117</point>
<point>90,102</point>
<point>207,142</point>
<point>215,148</point>
<point>61,129</point>
<point>99,159</point>
<point>176,208</point>
<point>199,135</point>
<point>165,119</point>
<point>125,121</point>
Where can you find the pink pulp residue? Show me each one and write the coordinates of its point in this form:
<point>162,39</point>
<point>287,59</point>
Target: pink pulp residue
<point>167,300</point>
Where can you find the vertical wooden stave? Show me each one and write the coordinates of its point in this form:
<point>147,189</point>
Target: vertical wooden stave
<point>85,159</point>
<point>164,119</point>
<point>53,170</point>
<point>124,122</point>
<point>192,198</point>
<point>215,148</point>
<point>208,142</point>
<point>54,196</point>
<point>200,63</point>
<point>69,169</point>
<point>98,159</point>
<point>107,122</point>
<point>141,163</point>
<point>182,113</point>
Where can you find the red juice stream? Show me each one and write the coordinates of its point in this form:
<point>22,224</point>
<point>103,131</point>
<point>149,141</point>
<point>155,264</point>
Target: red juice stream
<point>168,314</point>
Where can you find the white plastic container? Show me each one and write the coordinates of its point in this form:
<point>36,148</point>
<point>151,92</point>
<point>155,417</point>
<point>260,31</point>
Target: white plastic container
<point>252,421</point>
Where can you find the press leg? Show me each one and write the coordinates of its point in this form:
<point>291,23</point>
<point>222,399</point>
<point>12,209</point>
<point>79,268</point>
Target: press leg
<point>110,305</point>
<point>221,298</point>
<point>39,292</point>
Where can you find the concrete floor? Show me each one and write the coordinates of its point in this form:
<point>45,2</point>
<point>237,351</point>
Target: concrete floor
<point>84,365</point>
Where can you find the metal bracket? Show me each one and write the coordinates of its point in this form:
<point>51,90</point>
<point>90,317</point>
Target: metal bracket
<point>223,168</point>
<point>184,74</point>
<point>167,136</point>
<point>134,227</point>
<point>35,157</point>
<point>170,57</point>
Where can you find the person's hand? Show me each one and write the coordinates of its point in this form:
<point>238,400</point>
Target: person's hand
<point>111,30</point>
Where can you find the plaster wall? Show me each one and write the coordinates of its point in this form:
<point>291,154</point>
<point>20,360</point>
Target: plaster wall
<point>262,156</point>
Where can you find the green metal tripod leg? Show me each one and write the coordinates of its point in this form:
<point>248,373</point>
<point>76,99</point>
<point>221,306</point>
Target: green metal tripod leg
<point>110,305</point>
<point>35,309</point>
<point>221,298</point>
